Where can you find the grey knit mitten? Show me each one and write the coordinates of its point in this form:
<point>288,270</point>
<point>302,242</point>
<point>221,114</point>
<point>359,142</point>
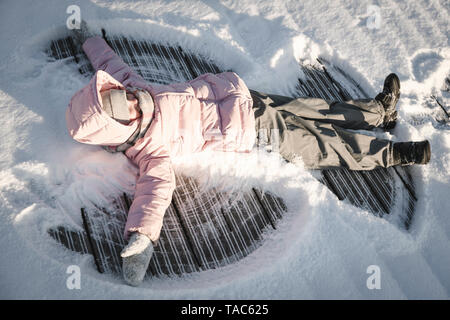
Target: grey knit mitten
<point>136,257</point>
<point>83,33</point>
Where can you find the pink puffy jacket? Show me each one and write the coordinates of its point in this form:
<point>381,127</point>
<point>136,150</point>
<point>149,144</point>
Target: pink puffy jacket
<point>209,112</point>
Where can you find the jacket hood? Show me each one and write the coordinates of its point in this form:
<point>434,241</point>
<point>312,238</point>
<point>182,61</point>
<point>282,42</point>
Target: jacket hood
<point>88,122</point>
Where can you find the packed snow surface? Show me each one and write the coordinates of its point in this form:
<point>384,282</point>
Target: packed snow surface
<point>323,247</point>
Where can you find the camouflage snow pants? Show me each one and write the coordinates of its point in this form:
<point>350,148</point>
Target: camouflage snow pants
<point>322,133</point>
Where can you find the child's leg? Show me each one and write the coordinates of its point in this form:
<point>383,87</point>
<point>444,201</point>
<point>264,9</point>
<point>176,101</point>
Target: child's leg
<point>355,114</point>
<point>320,145</point>
<point>325,145</point>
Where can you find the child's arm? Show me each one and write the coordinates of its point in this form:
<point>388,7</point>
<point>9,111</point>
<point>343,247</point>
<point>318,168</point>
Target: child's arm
<point>154,186</point>
<point>102,57</point>
<point>153,195</point>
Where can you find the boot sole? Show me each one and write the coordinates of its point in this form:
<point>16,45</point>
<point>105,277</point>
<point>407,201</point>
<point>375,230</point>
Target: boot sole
<point>426,152</point>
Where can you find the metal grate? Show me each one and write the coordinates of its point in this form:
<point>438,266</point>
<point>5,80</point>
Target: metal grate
<point>201,230</point>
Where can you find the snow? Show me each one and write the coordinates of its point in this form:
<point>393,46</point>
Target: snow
<point>323,246</point>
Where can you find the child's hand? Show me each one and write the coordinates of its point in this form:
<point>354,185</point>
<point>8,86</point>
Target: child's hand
<point>137,244</point>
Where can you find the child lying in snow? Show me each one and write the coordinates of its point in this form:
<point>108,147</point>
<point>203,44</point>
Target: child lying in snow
<point>151,124</point>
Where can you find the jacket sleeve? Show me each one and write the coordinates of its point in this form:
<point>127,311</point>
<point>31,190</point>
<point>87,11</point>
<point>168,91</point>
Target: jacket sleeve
<point>153,194</point>
<point>102,57</point>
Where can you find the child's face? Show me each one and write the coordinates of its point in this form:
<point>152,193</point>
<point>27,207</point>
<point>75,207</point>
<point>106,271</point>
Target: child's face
<point>133,106</point>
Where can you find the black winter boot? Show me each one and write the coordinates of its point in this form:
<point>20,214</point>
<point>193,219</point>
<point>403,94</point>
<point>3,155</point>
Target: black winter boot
<point>389,98</point>
<point>407,153</point>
